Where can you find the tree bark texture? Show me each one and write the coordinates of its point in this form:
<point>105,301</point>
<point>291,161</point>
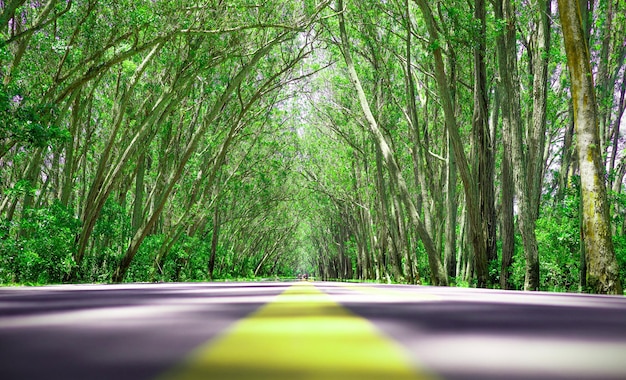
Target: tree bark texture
<point>483,148</point>
<point>602,268</point>
<point>511,114</point>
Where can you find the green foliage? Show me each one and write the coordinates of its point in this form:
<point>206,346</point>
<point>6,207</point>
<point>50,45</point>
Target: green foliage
<point>299,170</point>
<point>620,252</point>
<point>143,268</point>
<point>113,225</point>
<point>559,241</point>
<point>619,239</point>
<point>23,121</point>
<point>518,268</point>
<point>43,254</point>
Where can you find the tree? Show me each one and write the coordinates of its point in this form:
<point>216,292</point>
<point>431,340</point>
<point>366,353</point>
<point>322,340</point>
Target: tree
<point>602,268</point>
<point>511,113</point>
<point>434,259</point>
<point>172,140</point>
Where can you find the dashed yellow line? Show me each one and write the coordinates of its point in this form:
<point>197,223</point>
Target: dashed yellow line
<point>302,334</point>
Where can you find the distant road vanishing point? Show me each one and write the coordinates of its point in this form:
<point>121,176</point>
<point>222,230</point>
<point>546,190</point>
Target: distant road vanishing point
<point>307,330</point>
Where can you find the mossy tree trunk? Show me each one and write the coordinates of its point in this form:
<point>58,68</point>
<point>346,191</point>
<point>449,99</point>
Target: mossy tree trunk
<point>602,268</point>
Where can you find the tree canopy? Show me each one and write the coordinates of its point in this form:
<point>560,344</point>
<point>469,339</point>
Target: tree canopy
<point>400,141</point>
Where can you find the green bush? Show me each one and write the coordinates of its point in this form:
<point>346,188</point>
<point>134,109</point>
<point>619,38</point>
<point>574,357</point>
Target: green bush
<point>142,268</point>
<point>620,253</point>
<point>40,248</point>
<point>558,241</point>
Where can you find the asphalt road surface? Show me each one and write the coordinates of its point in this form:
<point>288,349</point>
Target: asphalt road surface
<point>307,330</point>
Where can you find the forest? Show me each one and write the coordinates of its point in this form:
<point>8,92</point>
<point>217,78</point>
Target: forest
<point>464,143</point>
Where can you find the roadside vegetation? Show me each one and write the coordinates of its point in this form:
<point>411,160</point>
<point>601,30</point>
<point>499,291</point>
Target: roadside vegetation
<point>406,141</point>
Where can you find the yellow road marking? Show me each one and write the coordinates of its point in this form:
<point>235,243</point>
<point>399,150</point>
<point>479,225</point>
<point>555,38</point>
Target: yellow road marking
<point>303,334</point>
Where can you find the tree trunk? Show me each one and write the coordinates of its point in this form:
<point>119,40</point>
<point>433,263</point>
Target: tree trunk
<point>484,145</point>
<point>511,114</point>
<point>602,267</point>
<point>469,182</point>
<point>540,58</point>
<point>396,235</point>
<point>614,178</point>
<point>70,148</point>
<point>451,215</point>
<point>214,240</point>
<point>438,275</point>
<point>139,193</point>
<point>32,176</point>
<point>567,157</point>
<point>507,232</point>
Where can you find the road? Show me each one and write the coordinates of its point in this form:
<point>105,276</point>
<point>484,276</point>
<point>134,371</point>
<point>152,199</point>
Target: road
<point>307,330</point>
